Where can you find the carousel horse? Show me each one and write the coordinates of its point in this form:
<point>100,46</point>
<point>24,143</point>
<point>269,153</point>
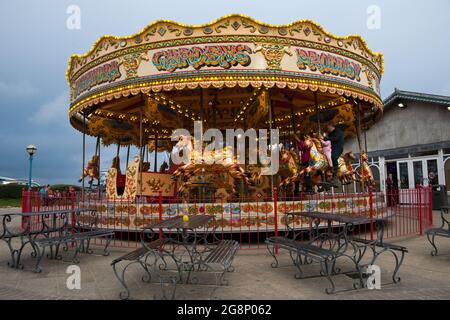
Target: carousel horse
<point>116,164</point>
<point>290,159</point>
<point>364,172</point>
<point>345,173</point>
<point>318,162</point>
<point>92,170</point>
<point>316,165</point>
<point>209,162</point>
<point>260,184</point>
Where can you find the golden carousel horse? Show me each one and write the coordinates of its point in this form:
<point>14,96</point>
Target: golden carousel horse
<point>92,170</point>
<point>345,173</point>
<point>260,184</point>
<point>217,162</point>
<point>290,160</point>
<point>317,165</point>
<point>364,172</point>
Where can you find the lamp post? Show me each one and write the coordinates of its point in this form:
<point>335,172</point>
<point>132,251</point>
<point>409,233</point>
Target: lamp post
<point>31,149</point>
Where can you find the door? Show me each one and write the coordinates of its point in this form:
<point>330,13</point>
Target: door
<point>414,172</point>
<point>403,174</point>
<point>418,173</point>
<point>432,172</point>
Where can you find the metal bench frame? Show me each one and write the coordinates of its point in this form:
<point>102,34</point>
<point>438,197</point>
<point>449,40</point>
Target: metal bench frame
<point>141,256</point>
<point>78,234</point>
<point>78,239</point>
<point>28,236</point>
<point>310,253</point>
<point>220,253</point>
<point>394,249</point>
<point>442,231</point>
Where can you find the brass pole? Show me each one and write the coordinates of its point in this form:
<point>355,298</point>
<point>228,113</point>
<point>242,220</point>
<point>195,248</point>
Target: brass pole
<point>97,147</point>
<point>84,155</point>
<point>128,157</point>
<point>271,119</point>
<point>365,138</point>
<point>358,134</point>
<point>294,126</point>
<point>140,150</point>
<point>317,111</point>
<point>201,105</point>
<point>156,150</point>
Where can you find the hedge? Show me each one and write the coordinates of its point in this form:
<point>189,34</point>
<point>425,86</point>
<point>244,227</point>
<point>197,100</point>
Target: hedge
<point>11,191</point>
<point>64,187</point>
<point>14,191</point>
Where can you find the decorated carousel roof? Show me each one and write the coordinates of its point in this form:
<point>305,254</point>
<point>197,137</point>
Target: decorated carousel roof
<point>227,73</point>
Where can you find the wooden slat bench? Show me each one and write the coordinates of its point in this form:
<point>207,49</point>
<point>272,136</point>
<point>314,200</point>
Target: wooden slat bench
<point>325,257</point>
<point>141,256</point>
<point>79,238</point>
<point>222,253</point>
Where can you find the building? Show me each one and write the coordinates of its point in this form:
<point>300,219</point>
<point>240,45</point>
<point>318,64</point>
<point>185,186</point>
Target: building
<point>411,141</point>
<point>6,180</point>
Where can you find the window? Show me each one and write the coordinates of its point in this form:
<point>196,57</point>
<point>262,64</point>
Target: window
<point>447,174</point>
<point>418,173</point>
<point>404,178</point>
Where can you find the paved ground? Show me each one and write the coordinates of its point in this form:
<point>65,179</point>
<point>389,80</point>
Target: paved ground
<point>423,277</point>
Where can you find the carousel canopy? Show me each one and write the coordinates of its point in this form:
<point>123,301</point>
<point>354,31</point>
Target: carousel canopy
<point>228,73</point>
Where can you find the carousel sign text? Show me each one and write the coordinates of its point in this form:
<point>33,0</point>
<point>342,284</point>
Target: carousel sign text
<point>328,64</point>
<point>224,56</point>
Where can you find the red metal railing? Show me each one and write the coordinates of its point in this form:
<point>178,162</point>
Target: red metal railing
<point>249,219</point>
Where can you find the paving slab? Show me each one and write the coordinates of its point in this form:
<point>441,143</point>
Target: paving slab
<point>422,277</point>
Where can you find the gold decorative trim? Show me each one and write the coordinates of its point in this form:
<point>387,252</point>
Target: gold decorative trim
<point>227,38</point>
<point>230,82</point>
<point>152,30</point>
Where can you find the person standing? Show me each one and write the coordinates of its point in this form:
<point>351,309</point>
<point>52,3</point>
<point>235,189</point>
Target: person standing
<point>336,136</point>
<point>390,190</point>
<point>42,194</point>
<point>50,195</point>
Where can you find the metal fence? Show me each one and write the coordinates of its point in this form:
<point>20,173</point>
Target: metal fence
<point>251,219</point>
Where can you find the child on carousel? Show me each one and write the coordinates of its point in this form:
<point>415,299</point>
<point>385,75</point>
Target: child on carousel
<point>326,149</point>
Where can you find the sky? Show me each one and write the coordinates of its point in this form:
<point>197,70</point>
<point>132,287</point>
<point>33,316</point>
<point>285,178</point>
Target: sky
<point>36,46</point>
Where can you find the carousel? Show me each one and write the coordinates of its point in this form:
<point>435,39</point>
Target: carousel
<point>232,73</point>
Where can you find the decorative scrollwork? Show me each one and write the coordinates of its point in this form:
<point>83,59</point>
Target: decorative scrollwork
<point>273,53</point>
<point>131,63</point>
